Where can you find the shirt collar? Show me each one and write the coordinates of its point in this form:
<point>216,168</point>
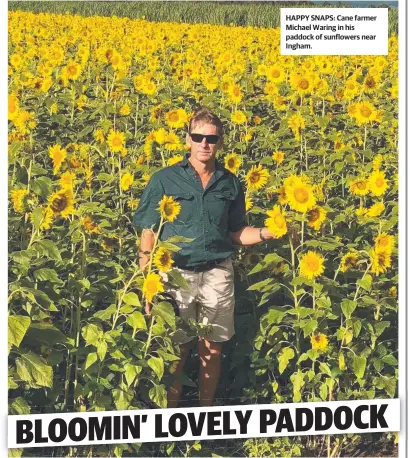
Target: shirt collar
<point>186,163</point>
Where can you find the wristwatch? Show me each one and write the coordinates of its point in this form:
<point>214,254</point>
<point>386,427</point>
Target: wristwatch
<point>261,235</point>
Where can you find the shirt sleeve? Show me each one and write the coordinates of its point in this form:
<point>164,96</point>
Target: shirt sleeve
<point>147,214</point>
<point>237,212</point>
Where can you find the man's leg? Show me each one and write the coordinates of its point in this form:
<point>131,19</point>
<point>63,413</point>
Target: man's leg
<point>174,393</point>
<point>210,369</point>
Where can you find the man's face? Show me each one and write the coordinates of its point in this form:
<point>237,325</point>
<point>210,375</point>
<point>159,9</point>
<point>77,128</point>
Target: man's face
<point>204,152</point>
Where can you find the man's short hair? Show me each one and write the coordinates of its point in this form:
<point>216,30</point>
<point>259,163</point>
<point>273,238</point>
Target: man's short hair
<point>205,116</point>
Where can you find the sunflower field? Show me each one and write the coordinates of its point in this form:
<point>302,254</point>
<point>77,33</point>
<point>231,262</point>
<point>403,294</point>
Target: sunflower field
<point>98,104</point>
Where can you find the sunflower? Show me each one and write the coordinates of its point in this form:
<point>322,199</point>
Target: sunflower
<point>176,118</point>
<point>234,93</point>
<point>377,162</point>
<point>296,122</point>
<point>278,157</point>
<point>126,181</point>
<point>311,265</point>
<point>384,242</point>
<point>152,286</point>
<point>349,261</point>
<point>375,210</point>
<point>393,291</point>
<point>58,155</point>
<point>277,222</point>
<point>172,142</point>
<point>169,209</point>
<point>67,180</point>
<point>378,184</point>
<point>316,216</point>
<point>175,159</point>
<point>275,74</point>
<point>232,162</point>
<point>160,136</point>
<point>125,110</point>
<point>248,203</point>
<point>99,135</point>
<point>282,195</point>
<point>90,225</point>
<point>163,259</point>
<point>46,219</point>
<point>301,84</point>
<point>359,187</point>
<point>116,141</point>
<point>257,177</point>
<point>17,197</point>
<point>300,196</point>
<point>319,342</point>
<point>61,203</point>
<point>238,117</point>
<point>380,261</point>
<point>13,107</point>
<point>72,71</point>
<point>365,112</point>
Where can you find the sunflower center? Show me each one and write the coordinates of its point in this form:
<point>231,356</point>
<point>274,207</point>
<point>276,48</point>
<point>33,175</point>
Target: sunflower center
<point>173,117</point>
<point>72,70</point>
<point>59,204</point>
<point>231,163</point>
<point>361,185</point>
<point>236,91</point>
<point>254,178</point>
<point>314,215</point>
<point>303,84</point>
<point>116,141</point>
<point>275,73</point>
<point>313,264</point>
<point>370,83</point>
<point>379,182</point>
<point>301,195</point>
<point>168,209</point>
<point>365,111</point>
<point>164,258</point>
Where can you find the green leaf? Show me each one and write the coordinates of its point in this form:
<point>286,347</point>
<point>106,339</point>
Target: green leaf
<point>131,371</point>
<point>390,360</point>
<point>348,307</point>
<point>48,248</point>
<point>165,311</point>
<point>101,349</point>
<point>91,333</point>
<point>15,452</point>
<point>359,365</point>
<point>308,326</point>
<point>132,299</point>
<point>274,316</point>
<point>19,406</point>
<point>366,282</point>
<point>380,326</point>
<point>137,321</point>
<point>298,381</point>
<point>41,186</point>
<point>268,261</point>
<point>177,279</point>
<point>158,395</point>
<point>37,215</point>
<point>33,369</point>
<point>90,360</point>
<point>323,391</point>
<point>284,357</point>
<point>262,286</point>
<point>17,328</point>
<point>106,314</point>
<point>325,369</point>
<point>157,365</point>
<point>45,334</point>
<point>122,397</point>
<point>46,274</point>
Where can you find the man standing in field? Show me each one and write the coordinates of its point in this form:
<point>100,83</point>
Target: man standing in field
<point>213,214</point>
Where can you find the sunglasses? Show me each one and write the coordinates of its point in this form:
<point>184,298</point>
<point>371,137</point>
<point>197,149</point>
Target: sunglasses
<point>211,139</point>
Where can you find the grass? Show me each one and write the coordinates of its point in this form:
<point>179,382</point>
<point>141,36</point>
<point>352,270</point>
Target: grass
<point>259,14</point>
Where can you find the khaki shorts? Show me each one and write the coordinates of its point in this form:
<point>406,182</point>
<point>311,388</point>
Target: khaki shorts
<point>210,295</point>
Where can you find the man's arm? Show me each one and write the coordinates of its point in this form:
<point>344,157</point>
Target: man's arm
<point>146,246</point>
<point>249,235</point>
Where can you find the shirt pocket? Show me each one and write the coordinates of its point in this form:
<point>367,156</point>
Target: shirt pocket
<point>186,201</point>
<point>219,207</point>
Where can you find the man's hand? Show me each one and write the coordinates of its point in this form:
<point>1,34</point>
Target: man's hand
<point>148,307</point>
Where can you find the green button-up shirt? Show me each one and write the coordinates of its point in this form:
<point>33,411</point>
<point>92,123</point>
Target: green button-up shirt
<point>207,215</point>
